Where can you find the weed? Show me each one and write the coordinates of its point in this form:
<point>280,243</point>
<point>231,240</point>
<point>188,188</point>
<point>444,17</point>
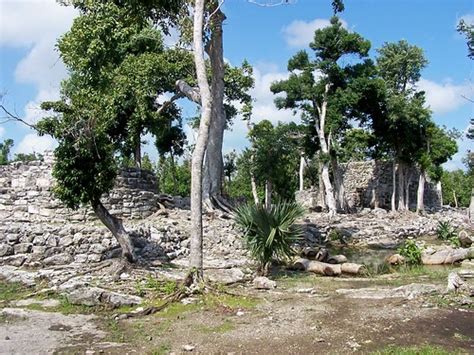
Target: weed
<point>411,252</point>
<point>414,350</point>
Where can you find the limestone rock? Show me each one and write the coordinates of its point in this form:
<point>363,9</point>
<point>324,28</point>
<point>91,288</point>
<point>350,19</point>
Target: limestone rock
<point>59,259</point>
<point>264,283</point>
<point>226,276</point>
<point>395,259</point>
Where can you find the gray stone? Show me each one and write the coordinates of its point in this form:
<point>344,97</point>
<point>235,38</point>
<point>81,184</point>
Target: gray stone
<point>5,250</point>
<point>93,296</point>
<point>264,283</point>
<point>410,291</point>
<point>225,276</point>
<point>59,259</point>
<point>23,248</point>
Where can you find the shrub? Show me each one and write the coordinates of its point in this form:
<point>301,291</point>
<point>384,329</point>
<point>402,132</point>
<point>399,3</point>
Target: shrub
<point>270,233</point>
<point>411,252</point>
<point>445,230</point>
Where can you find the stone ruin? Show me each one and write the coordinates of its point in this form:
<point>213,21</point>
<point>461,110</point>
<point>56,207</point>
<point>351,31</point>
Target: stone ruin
<point>366,181</point>
<point>36,228</point>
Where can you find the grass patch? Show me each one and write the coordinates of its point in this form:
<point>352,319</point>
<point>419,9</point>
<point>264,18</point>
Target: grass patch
<point>224,327</point>
<point>229,301</point>
<point>415,350</point>
<point>12,291</point>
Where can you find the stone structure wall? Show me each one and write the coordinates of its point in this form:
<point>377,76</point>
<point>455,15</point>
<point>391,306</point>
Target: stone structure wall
<point>369,180</point>
<point>35,227</point>
<point>26,195</point>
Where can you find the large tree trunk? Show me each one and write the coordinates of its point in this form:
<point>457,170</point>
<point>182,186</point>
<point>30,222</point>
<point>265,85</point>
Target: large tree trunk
<point>325,143</point>
<point>268,195</point>
<point>214,166</point>
<point>408,177</point>
<point>115,225</point>
<point>394,185</point>
<point>339,186</point>
<point>420,195</point>
<point>301,172</point>
<point>196,250</point>
<point>321,195</point>
<point>401,187</point>
<point>138,153</point>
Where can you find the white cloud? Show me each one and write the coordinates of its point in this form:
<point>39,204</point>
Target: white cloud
<point>300,33</point>
<point>36,25</point>
<point>32,143</point>
<point>2,131</point>
<point>445,97</point>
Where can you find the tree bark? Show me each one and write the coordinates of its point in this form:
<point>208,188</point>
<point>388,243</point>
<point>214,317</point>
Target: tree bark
<point>339,186</point>
<point>320,125</point>
<point>254,189</point>
<point>115,225</point>
<point>420,195</point>
<point>455,199</point>
<point>196,250</point>
<point>301,172</point>
<point>268,195</point>
<point>214,165</point>
<point>321,195</point>
<point>401,187</point>
<point>138,153</point>
<point>394,185</point>
<point>408,176</point>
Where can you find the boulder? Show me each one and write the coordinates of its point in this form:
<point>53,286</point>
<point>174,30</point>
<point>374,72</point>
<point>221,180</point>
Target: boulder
<point>225,276</point>
<point>58,259</point>
<point>5,250</point>
<point>464,239</point>
<point>93,296</point>
<point>395,259</point>
<point>264,283</point>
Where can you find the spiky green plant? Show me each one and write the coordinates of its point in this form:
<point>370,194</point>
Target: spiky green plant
<point>411,252</point>
<point>445,230</point>
<point>269,234</point>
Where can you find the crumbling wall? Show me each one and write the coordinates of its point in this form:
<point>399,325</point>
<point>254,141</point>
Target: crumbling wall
<point>370,181</point>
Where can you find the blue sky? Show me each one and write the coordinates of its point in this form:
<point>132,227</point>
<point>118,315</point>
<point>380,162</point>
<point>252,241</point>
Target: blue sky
<point>30,68</point>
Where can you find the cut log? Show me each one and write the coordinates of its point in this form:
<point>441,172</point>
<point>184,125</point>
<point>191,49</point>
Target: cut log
<point>326,269</point>
<point>446,255</point>
<point>309,253</point>
<point>322,254</point>
<point>352,269</point>
<point>336,259</point>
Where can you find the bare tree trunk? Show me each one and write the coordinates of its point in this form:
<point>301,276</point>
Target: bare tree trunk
<point>268,195</point>
<point>339,186</point>
<point>138,153</point>
<point>325,149</point>
<point>321,195</point>
<point>254,189</point>
<point>420,196</point>
<point>115,225</point>
<point>401,187</point>
<point>301,172</point>
<point>394,185</point>
<point>408,177</point>
<point>455,199</point>
<point>196,249</point>
<point>214,166</point>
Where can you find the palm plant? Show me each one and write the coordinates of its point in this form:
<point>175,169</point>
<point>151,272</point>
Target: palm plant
<point>269,234</point>
<point>445,230</point>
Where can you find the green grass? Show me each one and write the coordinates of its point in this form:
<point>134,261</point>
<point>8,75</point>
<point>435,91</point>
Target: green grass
<point>224,327</point>
<point>414,350</point>
<point>12,291</point>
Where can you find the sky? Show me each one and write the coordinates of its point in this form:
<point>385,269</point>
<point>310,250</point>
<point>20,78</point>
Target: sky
<point>31,69</point>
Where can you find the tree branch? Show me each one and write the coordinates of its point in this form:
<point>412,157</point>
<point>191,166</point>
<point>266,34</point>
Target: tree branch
<point>12,117</point>
<point>191,93</point>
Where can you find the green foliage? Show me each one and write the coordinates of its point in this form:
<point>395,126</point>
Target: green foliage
<point>446,231</point>
<point>411,252</point>
<point>27,157</point>
<point>415,350</point>
<point>118,66</point>
<point>5,148</point>
<point>459,183</point>
<point>174,178</point>
<point>270,233</point>
<point>468,31</point>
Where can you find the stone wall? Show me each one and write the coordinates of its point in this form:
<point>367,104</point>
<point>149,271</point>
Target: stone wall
<point>36,228</point>
<point>366,181</point>
<point>26,194</point>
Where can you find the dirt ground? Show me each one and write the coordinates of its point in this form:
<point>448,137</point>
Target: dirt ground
<point>304,314</point>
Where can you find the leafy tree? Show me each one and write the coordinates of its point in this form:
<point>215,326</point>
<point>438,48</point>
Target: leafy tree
<point>356,145</point>
<point>317,88</point>
<point>468,31</point>
<point>27,157</point>
<point>174,178</point>
<point>118,66</point>
<point>457,186</point>
<point>403,112</point>
<point>5,148</point>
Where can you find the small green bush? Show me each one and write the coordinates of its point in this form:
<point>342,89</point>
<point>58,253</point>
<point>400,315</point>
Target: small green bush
<point>411,252</point>
<point>269,234</point>
<point>445,230</point>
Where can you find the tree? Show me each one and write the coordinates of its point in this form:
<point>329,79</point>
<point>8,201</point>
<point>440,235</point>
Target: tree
<point>400,66</point>
<point>438,147</point>
<point>468,31</point>
<point>316,88</point>
<point>5,148</point>
<point>196,251</point>
<point>118,66</point>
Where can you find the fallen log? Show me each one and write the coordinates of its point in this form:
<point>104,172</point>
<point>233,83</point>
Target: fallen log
<point>326,269</point>
<point>336,259</point>
<point>446,255</point>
